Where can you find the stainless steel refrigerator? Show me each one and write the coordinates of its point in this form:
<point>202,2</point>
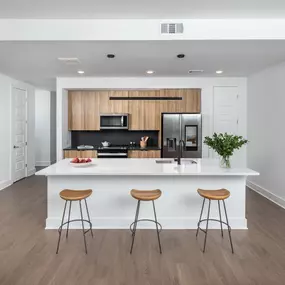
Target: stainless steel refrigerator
<point>182,130</point>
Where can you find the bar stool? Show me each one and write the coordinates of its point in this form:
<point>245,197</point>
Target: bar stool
<point>218,195</point>
<point>71,196</point>
<point>145,195</point>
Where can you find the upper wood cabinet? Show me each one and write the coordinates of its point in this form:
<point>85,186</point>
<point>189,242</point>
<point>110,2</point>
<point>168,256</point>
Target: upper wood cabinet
<point>144,114</point>
<point>118,106</point>
<point>190,103</point>
<point>191,100</point>
<point>171,106</point>
<point>85,107</point>
<point>76,110</point>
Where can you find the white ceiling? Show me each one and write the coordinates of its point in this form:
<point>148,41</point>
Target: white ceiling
<point>160,9</point>
<point>36,62</point>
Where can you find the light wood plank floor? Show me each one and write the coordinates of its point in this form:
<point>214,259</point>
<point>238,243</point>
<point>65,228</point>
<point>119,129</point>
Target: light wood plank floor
<point>27,251</point>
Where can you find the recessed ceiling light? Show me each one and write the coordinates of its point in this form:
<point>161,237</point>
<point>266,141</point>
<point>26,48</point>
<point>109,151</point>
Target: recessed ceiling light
<point>181,55</point>
<point>219,71</point>
<point>150,72</point>
<point>80,72</point>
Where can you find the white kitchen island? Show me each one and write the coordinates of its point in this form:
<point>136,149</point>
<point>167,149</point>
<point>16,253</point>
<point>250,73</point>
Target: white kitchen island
<point>112,207</point>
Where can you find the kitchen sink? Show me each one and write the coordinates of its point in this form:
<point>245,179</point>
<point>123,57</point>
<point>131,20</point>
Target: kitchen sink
<point>169,161</point>
<point>165,161</point>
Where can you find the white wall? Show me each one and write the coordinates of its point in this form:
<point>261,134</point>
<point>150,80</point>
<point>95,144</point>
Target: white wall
<point>53,127</point>
<point>42,127</point>
<point>266,132</point>
<point>206,84</point>
<point>45,127</point>
<point>6,84</point>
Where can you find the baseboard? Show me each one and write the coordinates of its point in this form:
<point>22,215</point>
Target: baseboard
<point>43,163</point>
<point>167,223</point>
<point>31,172</point>
<point>266,193</point>
<point>4,184</point>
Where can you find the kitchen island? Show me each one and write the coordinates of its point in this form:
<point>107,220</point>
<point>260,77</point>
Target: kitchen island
<point>112,207</point>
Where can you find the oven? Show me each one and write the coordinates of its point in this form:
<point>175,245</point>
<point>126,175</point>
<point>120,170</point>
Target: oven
<point>112,152</point>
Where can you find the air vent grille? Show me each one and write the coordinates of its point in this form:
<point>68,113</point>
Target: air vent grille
<point>191,71</point>
<point>69,60</point>
<point>171,28</point>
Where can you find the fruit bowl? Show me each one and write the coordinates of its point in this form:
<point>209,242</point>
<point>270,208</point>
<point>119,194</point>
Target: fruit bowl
<point>80,162</point>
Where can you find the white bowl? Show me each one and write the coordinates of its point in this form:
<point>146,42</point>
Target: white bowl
<point>85,164</point>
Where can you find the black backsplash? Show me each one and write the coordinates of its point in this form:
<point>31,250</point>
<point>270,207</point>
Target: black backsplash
<point>115,137</point>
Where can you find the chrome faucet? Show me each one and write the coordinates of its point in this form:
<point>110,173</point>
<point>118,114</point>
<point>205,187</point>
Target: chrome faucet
<point>181,146</point>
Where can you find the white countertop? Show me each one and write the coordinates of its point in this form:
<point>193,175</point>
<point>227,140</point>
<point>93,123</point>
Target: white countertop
<point>144,167</point>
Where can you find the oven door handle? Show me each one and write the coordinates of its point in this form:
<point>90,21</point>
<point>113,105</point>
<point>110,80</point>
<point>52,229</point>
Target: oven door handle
<point>112,154</point>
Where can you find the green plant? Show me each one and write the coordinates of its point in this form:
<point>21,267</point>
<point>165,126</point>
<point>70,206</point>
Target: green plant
<point>224,145</point>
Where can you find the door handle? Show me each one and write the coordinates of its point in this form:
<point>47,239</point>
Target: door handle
<point>15,146</point>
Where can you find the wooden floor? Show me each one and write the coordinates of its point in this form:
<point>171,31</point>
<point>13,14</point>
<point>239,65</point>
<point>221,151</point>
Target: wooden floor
<point>27,251</point>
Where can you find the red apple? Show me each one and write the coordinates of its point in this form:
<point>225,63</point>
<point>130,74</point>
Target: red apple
<point>75,160</point>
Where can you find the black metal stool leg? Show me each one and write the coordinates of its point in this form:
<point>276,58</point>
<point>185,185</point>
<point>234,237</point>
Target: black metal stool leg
<point>59,232</point>
<point>68,219</point>
<point>135,226</point>
<point>83,231</point>
<point>229,229</point>
<point>198,225</point>
<point>88,217</point>
<point>206,233</point>
<point>220,218</point>
<point>158,237</point>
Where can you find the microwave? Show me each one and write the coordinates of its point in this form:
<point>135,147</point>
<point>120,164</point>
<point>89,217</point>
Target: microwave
<point>114,121</point>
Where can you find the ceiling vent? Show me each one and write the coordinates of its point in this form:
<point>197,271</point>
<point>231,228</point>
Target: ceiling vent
<point>192,71</point>
<point>171,28</point>
<point>69,60</point>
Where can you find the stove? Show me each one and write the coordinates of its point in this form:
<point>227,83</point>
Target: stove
<point>114,151</point>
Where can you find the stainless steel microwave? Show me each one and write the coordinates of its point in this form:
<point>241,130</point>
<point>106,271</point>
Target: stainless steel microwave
<point>114,121</point>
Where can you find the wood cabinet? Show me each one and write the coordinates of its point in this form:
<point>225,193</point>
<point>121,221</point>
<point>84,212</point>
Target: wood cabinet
<point>118,106</point>
<point>191,100</point>
<point>190,103</point>
<point>144,114</point>
<point>144,153</point>
<point>80,153</point>
<point>85,107</point>
<point>171,106</point>
<point>76,110</point>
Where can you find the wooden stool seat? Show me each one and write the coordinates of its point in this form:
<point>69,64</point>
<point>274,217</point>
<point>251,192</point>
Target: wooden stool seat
<point>146,195</point>
<point>74,195</point>
<point>220,194</point>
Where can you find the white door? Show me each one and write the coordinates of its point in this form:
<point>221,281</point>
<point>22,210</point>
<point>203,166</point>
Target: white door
<point>225,111</point>
<point>19,127</point>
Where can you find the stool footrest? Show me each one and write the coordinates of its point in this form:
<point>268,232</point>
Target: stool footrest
<point>145,220</point>
<point>213,220</point>
<point>76,220</point>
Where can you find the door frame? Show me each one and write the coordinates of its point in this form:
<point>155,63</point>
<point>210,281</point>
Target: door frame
<point>12,127</point>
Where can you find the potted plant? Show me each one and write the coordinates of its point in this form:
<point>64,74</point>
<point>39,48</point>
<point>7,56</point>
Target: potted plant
<point>225,145</point>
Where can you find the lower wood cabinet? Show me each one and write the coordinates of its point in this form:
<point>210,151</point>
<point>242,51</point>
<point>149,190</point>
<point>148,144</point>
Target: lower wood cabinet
<point>80,153</point>
<point>144,154</point>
